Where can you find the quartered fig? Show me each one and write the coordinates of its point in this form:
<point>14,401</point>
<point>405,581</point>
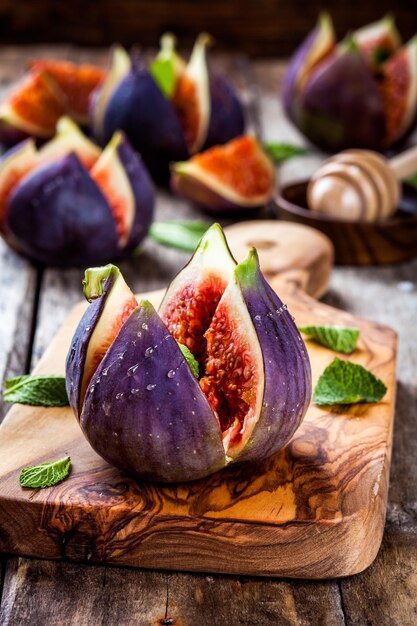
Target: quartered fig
<point>139,403</point>
<point>169,110</point>
<point>358,94</point>
<point>238,176</point>
<point>71,204</point>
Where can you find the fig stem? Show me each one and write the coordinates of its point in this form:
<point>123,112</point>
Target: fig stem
<point>94,279</point>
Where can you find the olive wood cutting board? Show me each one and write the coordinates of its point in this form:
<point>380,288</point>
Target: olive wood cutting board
<point>315,509</point>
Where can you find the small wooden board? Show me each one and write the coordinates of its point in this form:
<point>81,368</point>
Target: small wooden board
<point>314,510</point>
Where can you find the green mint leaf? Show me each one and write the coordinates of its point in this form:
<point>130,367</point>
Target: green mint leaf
<point>163,72</point>
<point>46,474</point>
<point>36,390</point>
<point>189,357</point>
<point>280,152</point>
<point>183,235</point>
<point>343,382</point>
<point>412,180</point>
<point>336,338</point>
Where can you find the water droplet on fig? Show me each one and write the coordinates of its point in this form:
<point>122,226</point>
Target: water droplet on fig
<point>139,333</point>
<point>87,328</point>
<point>120,355</point>
<point>150,387</point>
<point>105,372</point>
<point>134,391</point>
<point>171,373</point>
<point>148,351</point>
<point>257,318</point>
<point>132,370</point>
<point>145,326</point>
<point>119,395</point>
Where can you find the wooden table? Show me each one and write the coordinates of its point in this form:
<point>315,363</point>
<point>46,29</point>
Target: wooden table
<point>35,301</point>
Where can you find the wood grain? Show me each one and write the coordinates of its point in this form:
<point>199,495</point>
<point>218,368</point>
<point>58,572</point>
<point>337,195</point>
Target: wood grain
<point>316,509</point>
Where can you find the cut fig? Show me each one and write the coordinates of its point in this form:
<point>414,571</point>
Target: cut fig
<point>236,176</point>
<point>33,108</point>
<point>399,92</point>
<point>68,139</point>
<point>145,411</point>
<point>360,94</point>
<point>119,68</point>
<point>16,163</point>
<point>76,82</point>
<point>71,204</point>
<point>112,303</point>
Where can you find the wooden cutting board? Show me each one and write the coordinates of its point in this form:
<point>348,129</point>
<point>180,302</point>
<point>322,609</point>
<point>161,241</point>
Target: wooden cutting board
<point>316,509</point>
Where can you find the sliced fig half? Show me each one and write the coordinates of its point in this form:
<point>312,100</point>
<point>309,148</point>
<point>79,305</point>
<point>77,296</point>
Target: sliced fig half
<point>14,165</point>
<point>33,108</point>
<point>69,138</point>
<point>76,82</point>
<point>112,303</point>
<point>236,176</point>
<point>145,411</point>
<point>399,92</point>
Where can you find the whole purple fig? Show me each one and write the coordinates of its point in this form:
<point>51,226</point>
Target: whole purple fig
<point>145,410</point>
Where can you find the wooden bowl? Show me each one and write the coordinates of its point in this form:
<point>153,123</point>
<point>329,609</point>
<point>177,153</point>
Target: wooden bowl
<point>357,243</point>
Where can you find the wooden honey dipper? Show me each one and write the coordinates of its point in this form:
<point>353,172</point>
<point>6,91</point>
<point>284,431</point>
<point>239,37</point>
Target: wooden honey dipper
<point>360,184</point>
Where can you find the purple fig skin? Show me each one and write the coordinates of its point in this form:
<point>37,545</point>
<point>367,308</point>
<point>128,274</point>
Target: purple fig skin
<point>227,119</point>
<point>144,410</point>
<point>340,106</point>
<point>143,191</point>
<point>283,351</point>
<point>59,216</point>
<point>139,108</point>
<point>295,65</point>
<point>77,354</point>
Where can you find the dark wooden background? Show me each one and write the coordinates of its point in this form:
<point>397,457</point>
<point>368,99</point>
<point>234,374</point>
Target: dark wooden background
<point>257,27</point>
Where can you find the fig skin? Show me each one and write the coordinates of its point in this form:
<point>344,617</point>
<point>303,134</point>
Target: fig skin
<point>59,216</point>
<point>141,419</point>
<point>340,106</point>
<point>226,113</point>
<point>139,108</point>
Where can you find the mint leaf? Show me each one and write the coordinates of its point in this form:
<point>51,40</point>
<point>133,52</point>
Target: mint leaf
<point>36,390</point>
<point>343,382</point>
<point>163,72</point>
<point>183,235</point>
<point>189,357</point>
<point>280,152</point>
<point>46,474</point>
<point>337,338</point>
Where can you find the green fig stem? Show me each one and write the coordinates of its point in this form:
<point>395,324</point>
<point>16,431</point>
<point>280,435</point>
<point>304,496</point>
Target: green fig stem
<point>94,279</point>
<point>168,43</point>
<point>247,270</point>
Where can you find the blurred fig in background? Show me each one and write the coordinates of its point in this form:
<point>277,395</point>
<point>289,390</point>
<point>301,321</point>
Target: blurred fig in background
<point>50,90</point>
<point>360,93</point>
<point>168,110</point>
<point>69,203</point>
<point>238,176</point>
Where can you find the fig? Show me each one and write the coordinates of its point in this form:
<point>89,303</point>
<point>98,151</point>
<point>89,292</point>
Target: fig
<point>50,90</point>
<point>357,94</point>
<point>56,211</point>
<point>237,176</point>
<point>140,404</point>
<point>168,111</point>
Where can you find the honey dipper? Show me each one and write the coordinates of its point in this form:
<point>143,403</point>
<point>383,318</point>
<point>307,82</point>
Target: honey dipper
<point>360,184</point>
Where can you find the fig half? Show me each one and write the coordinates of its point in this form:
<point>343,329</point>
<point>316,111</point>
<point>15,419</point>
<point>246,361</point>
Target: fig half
<point>70,204</point>
<point>145,411</point>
